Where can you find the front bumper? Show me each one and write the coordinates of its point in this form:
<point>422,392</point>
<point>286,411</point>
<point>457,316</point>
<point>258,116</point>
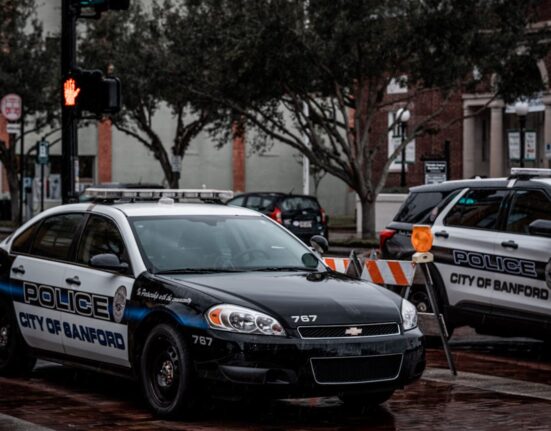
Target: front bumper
<point>285,366</point>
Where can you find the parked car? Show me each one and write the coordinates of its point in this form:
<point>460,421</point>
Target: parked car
<point>492,251</point>
<point>301,214</point>
<point>191,299</point>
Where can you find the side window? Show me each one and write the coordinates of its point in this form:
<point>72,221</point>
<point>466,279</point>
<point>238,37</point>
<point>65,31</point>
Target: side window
<point>100,236</point>
<point>477,209</point>
<point>237,202</point>
<point>527,206</point>
<point>22,243</point>
<point>55,236</point>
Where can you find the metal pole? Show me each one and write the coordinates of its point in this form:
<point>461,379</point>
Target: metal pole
<point>447,158</point>
<point>305,159</point>
<point>69,142</point>
<point>522,140</point>
<point>42,187</point>
<point>403,171</point>
<point>22,162</point>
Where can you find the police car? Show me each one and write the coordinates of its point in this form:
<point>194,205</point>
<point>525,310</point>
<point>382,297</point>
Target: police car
<point>492,250</point>
<point>193,298</point>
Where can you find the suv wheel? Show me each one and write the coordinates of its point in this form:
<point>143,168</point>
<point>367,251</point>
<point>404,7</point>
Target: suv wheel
<point>166,372</point>
<point>15,358</point>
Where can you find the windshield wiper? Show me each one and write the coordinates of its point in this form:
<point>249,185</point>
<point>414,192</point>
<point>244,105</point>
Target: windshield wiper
<point>282,268</point>
<point>196,271</point>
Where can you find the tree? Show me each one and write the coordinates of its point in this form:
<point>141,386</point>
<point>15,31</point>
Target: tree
<point>133,46</point>
<point>28,67</point>
<point>321,68</point>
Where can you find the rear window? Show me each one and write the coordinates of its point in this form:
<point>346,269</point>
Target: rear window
<point>260,203</point>
<point>298,203</point>
<point>418,207</point>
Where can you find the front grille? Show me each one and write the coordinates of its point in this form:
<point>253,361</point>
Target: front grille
<point>360,369</point>
<point>349,331</point>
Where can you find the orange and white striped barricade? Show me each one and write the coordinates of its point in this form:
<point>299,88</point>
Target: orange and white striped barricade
<point>338,264</point>
<point>389,272</point>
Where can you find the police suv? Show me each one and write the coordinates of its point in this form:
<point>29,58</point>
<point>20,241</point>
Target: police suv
<point>492,249</point>
<point>191,298</point>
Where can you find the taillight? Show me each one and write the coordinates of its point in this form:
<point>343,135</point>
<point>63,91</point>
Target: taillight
<point>323,217</point>
<point>276,215</point>
<point>385,235</point>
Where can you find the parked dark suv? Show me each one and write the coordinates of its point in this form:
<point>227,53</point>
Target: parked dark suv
<point>301,214</point>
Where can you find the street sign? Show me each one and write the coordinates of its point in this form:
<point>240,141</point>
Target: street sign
<point>530,140</point>
<point>13,128</point>
<point>436,171</point>
<point>43,152</point>
<point>11,107</point>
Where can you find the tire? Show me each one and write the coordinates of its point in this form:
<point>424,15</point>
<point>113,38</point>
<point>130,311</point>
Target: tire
<point>365,401</point>
<point>165,372</point>
<point>15,358</point>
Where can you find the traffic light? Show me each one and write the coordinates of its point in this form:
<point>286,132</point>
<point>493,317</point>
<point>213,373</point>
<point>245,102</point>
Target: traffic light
<point>90,91</point>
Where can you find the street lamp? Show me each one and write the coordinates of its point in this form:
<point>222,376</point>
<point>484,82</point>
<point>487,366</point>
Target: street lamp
<point>521,109</point>
<point>403,115</point>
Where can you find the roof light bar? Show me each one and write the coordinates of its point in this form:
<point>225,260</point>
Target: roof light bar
<point>530,172</point>
<point>154,194</point>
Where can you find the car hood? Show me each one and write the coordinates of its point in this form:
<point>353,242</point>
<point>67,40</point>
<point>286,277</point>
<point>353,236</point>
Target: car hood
<point>333,298</point>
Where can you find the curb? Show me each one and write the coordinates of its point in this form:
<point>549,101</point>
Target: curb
<point>9,423</point>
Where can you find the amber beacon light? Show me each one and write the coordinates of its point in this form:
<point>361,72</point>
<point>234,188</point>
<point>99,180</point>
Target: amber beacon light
<point>421,238</point>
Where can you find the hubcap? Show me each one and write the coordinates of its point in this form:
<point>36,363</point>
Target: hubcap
<point>4,333</point>
<point>165,378</point>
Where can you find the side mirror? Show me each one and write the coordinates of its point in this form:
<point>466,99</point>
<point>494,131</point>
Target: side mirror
<point>109,262</point>
<point>540,227</point>
<point>319,244</point>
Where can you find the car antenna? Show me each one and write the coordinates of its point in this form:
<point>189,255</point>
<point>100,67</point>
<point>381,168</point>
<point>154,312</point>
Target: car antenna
<point>292,190</point>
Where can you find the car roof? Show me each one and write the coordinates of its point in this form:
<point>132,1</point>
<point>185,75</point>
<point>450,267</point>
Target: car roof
<point>157,209</point>
<point>461,184</point>
<point>275,194</point>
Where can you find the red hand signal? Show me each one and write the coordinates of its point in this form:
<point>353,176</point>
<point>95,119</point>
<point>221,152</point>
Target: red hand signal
<point>70,92</point>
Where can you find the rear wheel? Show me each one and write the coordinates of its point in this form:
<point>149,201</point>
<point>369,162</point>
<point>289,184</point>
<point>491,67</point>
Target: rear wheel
<point>363,401</point>
<point>15,358</point>
<point>166,372</point>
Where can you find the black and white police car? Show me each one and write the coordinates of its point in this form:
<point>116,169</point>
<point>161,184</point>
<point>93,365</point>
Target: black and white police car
<point>492,251</point>
<point>191,298</point>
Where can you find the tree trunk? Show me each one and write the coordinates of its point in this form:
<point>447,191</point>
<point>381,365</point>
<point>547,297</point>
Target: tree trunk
<point>368,219</point>
<point>13,184</point>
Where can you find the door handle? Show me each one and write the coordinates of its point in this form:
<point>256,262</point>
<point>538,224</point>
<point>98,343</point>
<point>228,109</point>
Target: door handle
<point>73,281</point>
<point>509,244</point>
<point>442,234</point>
<point>18,270</point>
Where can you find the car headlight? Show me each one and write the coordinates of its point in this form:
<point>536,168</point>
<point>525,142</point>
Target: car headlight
<point>243,320</point>
<point>409,315</point>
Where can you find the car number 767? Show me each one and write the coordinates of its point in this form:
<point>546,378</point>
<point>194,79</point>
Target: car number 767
<point>307,318</point>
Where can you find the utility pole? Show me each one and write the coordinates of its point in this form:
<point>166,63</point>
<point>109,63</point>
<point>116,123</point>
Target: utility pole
<point>69,136</point>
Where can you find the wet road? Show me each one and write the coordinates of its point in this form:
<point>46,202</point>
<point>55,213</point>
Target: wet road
<point>501,385</point>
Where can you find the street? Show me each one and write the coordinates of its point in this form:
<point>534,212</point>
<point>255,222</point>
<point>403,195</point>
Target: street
<point>500,384</point>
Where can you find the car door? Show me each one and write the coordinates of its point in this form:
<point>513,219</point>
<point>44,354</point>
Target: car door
<point>41,255</point>
<point>98,330</point>
<point>521,283</point>
<point>465,238</point>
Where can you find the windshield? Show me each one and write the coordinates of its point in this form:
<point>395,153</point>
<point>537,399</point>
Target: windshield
<point>219,243</point>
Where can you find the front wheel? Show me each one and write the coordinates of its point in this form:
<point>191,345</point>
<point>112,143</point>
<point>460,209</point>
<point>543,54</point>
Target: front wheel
<point>363,401</point>
<point>166,372</point>
<point>15,358</point>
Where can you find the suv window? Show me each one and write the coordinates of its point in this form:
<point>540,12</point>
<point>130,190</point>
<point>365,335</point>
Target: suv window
<point>527,206</point>
<point>477,209</point>
<point>55,236</point>
<point>299,203</point>
<point>237,202</point>
<point>100,236</point>
<point>22,243</point>
<point>418,207</point>
<point>260,203</point>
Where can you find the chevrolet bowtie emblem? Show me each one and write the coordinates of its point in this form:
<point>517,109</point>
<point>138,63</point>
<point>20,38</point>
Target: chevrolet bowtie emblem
<point>353,332</point>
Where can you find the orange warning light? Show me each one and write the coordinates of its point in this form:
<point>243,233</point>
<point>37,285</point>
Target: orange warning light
<point>421,238</point>
<point>70,92</point>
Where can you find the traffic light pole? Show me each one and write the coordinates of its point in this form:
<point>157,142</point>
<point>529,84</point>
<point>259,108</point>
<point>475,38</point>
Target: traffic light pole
<point>69,136</point>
